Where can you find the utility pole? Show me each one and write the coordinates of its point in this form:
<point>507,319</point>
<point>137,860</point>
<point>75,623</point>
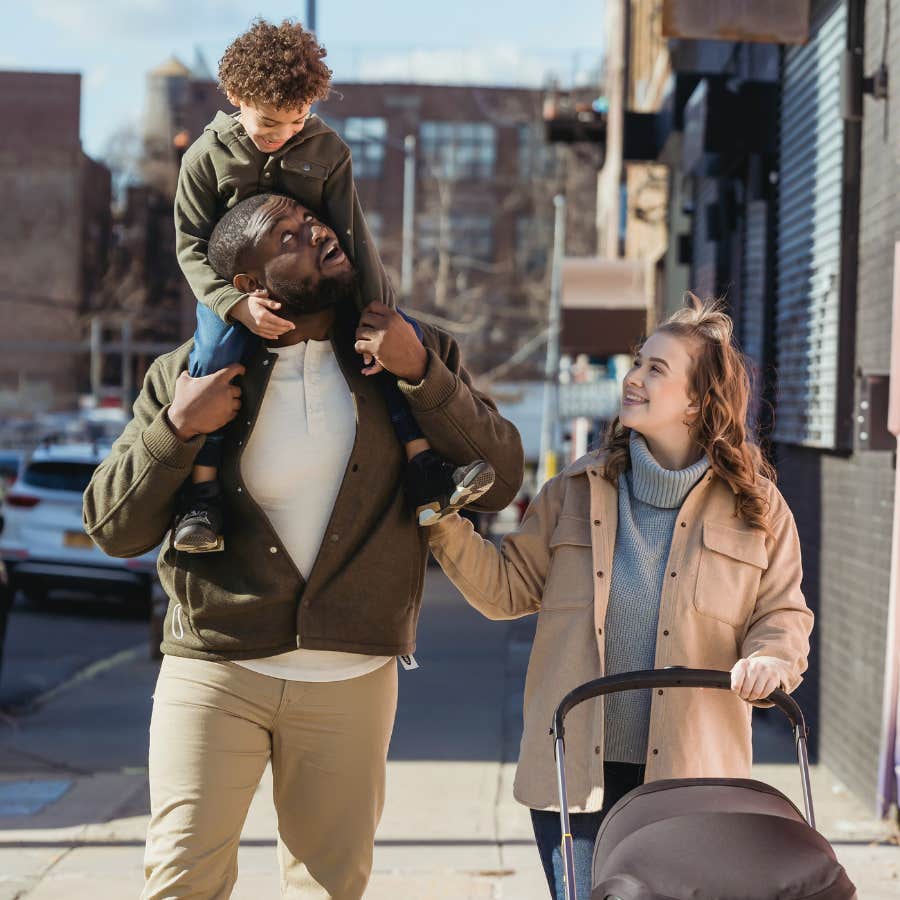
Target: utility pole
<point>551,371</point>
<point>311,15</point>
<point>127,364</point>
<point>96,358</point>
<point>409,214</point>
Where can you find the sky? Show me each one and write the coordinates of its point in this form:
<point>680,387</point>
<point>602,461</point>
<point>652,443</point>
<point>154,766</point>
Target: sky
<point>114,43</point>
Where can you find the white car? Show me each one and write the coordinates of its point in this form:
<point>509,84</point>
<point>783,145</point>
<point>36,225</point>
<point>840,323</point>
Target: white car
<point>43,543</point>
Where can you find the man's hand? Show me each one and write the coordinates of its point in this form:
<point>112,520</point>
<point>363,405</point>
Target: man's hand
<point>392,341</point>
<point>253,311</point>
<point>756,678</point>
<point>206,404</point>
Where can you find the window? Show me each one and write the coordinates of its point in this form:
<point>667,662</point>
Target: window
<point>534,243</point>
<point>537,158</point>
<point>366,138</point>
<point>459,150</point>
<point>467,236</point>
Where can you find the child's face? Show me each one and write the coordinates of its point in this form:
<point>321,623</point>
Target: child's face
<point>269,127</point>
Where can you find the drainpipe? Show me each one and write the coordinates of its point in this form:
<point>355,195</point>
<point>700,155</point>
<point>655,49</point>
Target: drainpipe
<point>889,757</point>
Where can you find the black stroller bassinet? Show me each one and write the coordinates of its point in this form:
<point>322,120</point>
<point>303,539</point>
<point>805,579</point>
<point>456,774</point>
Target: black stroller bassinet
<point>703,838</point>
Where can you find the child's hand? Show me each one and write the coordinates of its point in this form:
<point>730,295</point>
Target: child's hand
<point>254,312</point>
<point>756,677</point>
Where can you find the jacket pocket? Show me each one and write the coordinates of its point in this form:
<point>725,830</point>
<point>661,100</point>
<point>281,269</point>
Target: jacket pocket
<point>570,583</point>
<point>305,180</point>
<point>731,565</point>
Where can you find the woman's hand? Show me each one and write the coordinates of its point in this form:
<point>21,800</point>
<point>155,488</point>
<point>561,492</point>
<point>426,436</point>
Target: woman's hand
<point>756,678</point>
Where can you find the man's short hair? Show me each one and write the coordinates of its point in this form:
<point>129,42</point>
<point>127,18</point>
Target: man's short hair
<point>230,240</point>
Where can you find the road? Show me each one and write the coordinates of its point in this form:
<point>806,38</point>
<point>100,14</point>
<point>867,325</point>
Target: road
<point>47,645</point>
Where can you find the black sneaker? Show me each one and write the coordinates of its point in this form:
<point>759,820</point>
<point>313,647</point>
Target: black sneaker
<point>435,488</point>
<point>198,527</point>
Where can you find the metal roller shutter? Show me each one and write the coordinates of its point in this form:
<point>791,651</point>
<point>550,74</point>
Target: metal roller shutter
<point>809,237</point>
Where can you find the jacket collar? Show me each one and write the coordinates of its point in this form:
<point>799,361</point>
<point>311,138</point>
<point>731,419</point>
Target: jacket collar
<point>594,459</point>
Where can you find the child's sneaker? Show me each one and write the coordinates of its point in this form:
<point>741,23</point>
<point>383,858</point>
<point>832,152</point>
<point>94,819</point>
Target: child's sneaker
<point>198,527</point>
<point>435,488</point>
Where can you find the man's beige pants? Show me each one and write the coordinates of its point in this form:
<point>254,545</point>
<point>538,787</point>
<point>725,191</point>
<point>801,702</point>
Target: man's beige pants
<point>214,727</point>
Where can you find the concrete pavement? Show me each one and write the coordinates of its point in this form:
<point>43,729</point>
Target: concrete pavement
<point>74,804</point>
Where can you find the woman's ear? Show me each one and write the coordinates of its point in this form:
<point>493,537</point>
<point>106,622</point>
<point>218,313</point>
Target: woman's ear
<point>246,284</point>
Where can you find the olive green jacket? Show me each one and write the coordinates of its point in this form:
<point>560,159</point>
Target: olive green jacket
<point>223,167</point>
<point>365,588</point>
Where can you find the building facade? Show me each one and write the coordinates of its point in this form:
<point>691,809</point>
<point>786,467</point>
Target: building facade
<point>782,172</point>
<point>55,240</point>
<point>483,179</point>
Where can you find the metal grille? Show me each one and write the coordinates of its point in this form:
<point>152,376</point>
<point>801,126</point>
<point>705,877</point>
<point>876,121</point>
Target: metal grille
<point>706,199</point>
<point>753,302</point>
<point>809,238</point>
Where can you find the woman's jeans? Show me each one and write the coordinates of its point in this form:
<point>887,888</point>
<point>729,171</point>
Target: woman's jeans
<point>218,344</point>
<point>618,780</point>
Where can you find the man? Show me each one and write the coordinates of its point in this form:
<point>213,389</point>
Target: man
<point>282,647</point>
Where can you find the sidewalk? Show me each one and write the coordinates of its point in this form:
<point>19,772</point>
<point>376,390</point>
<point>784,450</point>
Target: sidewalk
<point>74,805</point>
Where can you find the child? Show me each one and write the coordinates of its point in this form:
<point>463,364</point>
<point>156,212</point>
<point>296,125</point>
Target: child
<point>274,74</point>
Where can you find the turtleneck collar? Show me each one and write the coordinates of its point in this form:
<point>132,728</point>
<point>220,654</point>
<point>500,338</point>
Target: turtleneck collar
<point>652,484</point>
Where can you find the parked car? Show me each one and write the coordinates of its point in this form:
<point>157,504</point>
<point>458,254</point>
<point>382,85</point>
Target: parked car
<point>44,545</point>
<point>6,598</point>
<point>10,465</point>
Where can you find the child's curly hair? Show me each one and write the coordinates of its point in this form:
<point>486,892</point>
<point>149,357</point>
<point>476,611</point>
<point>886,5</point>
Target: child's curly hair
<point>276,65</point>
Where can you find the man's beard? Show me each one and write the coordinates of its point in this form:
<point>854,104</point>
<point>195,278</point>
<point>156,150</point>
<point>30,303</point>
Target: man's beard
<point>304,298</point>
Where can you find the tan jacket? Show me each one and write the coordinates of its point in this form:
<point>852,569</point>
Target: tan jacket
<point>730,592</point>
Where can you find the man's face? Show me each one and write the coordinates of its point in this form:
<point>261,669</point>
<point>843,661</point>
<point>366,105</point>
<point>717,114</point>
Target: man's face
<point>297,257</point>
<point>269,127</point>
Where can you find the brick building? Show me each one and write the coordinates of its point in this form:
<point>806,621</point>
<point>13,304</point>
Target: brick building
<point>55,238</point>
<point>484,182</point>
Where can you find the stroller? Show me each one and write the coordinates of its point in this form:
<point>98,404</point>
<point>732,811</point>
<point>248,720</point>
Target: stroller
<point>702,838</point>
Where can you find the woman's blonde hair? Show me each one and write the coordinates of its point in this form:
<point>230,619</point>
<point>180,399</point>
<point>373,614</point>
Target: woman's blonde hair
<point>720,382</point>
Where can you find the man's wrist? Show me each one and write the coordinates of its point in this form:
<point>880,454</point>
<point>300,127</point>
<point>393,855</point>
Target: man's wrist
<point>178,426</point>
<point>415,375</point>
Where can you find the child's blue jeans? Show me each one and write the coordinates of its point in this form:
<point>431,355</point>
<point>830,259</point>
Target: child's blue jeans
<point>218,344</point>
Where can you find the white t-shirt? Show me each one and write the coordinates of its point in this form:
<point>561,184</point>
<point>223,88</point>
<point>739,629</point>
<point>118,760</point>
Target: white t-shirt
<point>293,466</point>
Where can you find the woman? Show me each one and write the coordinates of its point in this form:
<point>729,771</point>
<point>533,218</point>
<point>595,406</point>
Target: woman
<point>671,546</point>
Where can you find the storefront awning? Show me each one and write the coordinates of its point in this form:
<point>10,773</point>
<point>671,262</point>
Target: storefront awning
<point>604,305</point>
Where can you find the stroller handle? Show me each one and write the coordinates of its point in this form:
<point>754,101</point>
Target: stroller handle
<point>673,676</point>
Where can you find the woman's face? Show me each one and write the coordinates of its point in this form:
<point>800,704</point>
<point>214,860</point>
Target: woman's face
<point>656,397</point>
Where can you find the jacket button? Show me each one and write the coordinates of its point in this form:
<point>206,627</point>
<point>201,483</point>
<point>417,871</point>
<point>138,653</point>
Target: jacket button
<point>305,167</point>
<point>684,524</point>
<point>599,574</point>
<point>248,421</point>
<point>656,752</point>
<point>660,693</point>
<point>666,633</point>
<point>674,574</point>
<point>596,521</point>
<point>273,549</point>
<point>240,443</point>
<point>240,490</point>
<point>267,174</point>
<point>354,468</point>
<point>265,362</point>
<point>597,750</point>
<point>599,631</point>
